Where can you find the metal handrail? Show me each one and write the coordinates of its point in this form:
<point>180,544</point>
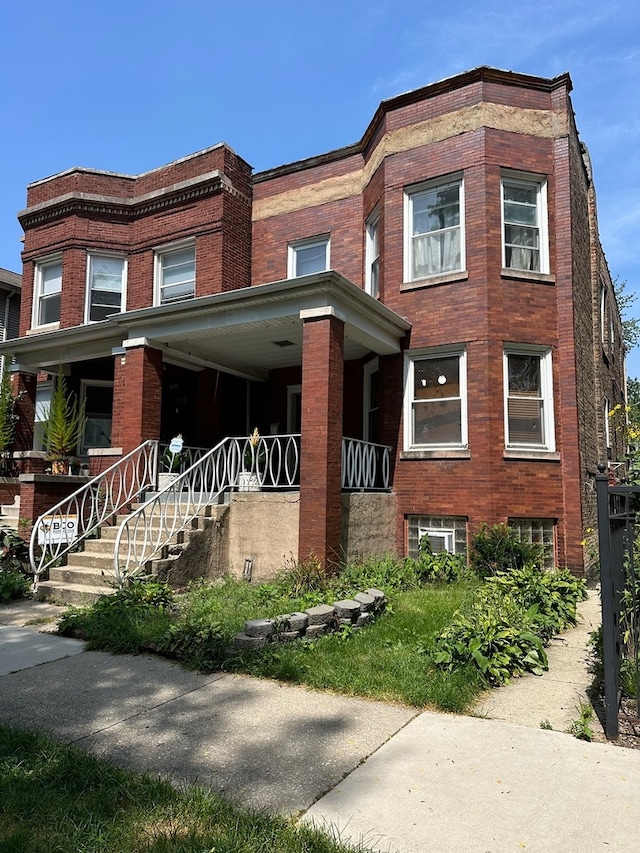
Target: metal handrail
<point>270,461</point>
<point>365,465</point>
<point>91,505</point>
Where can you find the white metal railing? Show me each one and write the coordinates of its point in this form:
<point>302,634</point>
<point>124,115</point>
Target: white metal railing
<point>75,517</point>
<point>243,463</point>
<point>365,465</point>
<point>168,462</point>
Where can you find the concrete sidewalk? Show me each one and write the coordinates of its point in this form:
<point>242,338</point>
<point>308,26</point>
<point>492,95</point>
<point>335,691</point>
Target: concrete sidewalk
<point>396,779</point>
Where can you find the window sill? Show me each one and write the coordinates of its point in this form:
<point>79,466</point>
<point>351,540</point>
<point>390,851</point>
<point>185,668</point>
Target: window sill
<point>525,275</point>
<point>104,451</point>
<point>453,453</point>
<point>433,280</point>
<point>532,455</point>
<point>49,327</point>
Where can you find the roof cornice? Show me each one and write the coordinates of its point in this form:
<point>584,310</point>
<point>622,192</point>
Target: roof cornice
<point>80,203</point>
<point>482,73</point>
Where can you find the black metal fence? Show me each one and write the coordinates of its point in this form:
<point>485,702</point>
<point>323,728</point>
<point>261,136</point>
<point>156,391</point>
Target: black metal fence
<point>618,537</point>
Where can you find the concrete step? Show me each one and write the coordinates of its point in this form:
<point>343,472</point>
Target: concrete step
<point>75,594</point>
<point>81,576</point>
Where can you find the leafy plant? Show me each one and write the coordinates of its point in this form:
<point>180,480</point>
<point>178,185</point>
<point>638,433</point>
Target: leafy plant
<point>65,423</point>
<point>497,634</point>
<point>14,564</point>
<point>131,620</point>
<point>581,726</point>
<point>499,549</point>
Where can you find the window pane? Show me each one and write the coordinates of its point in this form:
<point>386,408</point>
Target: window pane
<point>49,309</point>
<point>436,378</point>
<point>178,273</point>
<point>526,421</point>
<point>106,273</point>
<point>51,279</point>
<point>436,238</point>
<point>310,259</point>
<point>437,422</point>
<point>436,253</point>
<point>524,374</point>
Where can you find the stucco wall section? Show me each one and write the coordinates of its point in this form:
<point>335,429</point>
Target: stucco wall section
<point>264,527</point>
<point>369,525</point>
<point>539,123</point>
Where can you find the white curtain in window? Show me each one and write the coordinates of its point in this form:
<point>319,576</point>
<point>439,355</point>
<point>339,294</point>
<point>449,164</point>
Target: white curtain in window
<point>436,253</point>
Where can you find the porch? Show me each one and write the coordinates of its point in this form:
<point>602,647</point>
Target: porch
<point>294,358</point>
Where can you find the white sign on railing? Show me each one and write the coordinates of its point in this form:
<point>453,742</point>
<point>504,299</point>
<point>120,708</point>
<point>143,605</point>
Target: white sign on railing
<point>57,528</point>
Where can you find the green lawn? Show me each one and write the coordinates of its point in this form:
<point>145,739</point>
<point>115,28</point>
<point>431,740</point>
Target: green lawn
<point>57,799</point>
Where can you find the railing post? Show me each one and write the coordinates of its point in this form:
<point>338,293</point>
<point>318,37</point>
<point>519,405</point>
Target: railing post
<point>608,598</point>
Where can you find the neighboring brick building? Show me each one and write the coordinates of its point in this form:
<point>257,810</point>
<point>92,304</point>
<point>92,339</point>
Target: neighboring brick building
<point>438,287</point>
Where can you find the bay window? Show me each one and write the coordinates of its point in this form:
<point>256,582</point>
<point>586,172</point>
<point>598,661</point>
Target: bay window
<point>435,413</point>
<point>47,291</point>
<point>175,273</point>
<point>105,286</point>
<point>434,229</point>
<point>524,224</point>
<point>528,388</point>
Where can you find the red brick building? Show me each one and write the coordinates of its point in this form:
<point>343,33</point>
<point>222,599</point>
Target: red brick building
<point>437,288</point>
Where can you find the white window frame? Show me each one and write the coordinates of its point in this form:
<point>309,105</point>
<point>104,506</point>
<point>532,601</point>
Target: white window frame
<point>525,179</point>
<point>298,245</point>
<point>163,252</point>
<point>607,428</point>
<point>603,312</point>
<point>548,443</point>
<point>372,255</point>
<point>446,533</point>
<point>411,358</point>
<point>41,413</point>
<point>93,383</point>
<point>40,267</point>
<point>91,256</point>
<point>410,195</point>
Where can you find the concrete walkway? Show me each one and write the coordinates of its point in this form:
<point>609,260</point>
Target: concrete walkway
<point>383,774</point>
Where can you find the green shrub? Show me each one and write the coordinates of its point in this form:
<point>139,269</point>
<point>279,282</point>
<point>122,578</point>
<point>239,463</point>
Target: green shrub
<point>14,564</point>
<point>132,620</point>
<point>553,594</point>
<point>513,615</point>
<point>13,585</point>
<point>499,549</point>
<point>497,634</point>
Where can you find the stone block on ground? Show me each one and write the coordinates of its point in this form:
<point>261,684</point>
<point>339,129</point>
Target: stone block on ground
<point>367,602</point>
<point>364,619</point>
<point>347,609</point>
<point>244,642</point>
<point>316,631</point>
<point>379,598</point>
<point>322,614</point>
<point>259,627</point>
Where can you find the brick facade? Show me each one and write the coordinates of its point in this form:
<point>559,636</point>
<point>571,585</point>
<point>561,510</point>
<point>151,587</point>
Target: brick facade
<point>477,128</point>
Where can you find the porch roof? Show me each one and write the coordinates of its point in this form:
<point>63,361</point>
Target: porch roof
<point>245,332</point>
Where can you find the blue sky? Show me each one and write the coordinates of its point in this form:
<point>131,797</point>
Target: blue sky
<point>128,86</point>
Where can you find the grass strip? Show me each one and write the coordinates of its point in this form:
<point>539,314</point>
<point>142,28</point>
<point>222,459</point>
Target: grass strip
<point>55,798</point>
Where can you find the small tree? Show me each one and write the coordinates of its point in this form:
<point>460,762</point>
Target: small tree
<point>65,423</point>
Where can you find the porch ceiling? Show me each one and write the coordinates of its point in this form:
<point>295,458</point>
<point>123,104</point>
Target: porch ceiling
<point>245,332</point>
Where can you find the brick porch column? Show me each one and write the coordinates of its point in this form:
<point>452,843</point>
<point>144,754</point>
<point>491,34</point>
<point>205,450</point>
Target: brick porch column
<point>321,443</point>
<point>137,392</point>
<point>23,385</point>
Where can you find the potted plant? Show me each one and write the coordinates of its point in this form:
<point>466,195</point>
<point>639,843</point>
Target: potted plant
<point>170,463</point>
<point>64,426</point>
<point>252,459</point>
